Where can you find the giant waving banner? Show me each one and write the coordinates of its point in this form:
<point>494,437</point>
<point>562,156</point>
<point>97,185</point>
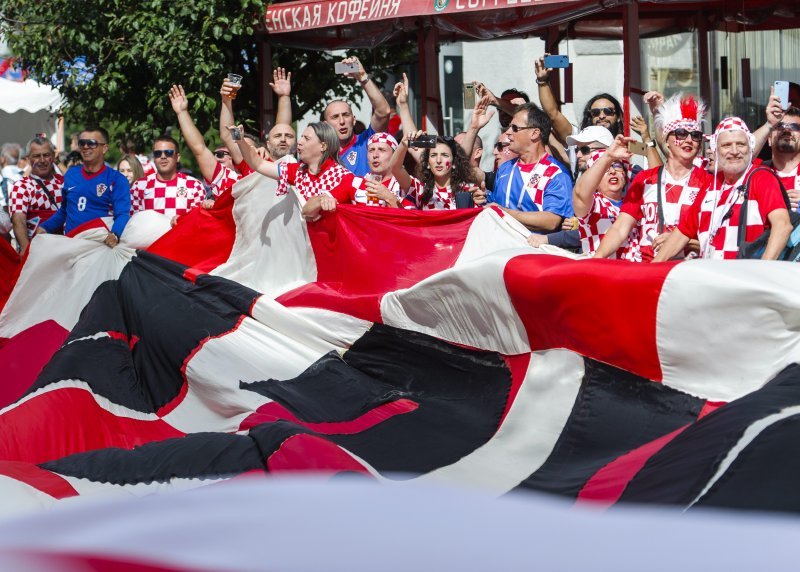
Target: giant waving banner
<point>405,346</point>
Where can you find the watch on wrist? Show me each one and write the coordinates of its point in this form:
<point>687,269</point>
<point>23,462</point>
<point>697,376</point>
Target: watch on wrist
<point>365,80</point>
<point>650,143</point>
<point>542,81</point>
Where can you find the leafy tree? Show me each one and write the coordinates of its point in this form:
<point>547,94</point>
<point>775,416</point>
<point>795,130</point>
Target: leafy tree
<point>114,60</point>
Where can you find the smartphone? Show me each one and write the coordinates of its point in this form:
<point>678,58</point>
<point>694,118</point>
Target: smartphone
<point>469,96</point>
<point>556,61</point>
<point>637,148</point>
<point>236,134</point>
<point>341,67</point>
<point>781,89</point>
<point>423,142</point>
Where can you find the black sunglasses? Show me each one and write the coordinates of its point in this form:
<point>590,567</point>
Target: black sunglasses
<point>787,127</point>
<point>220,154</point>
<point>588,150</point>
<point>90,143</point>
<point>608,111</point>
<point>517,128</point>
<point>168,153</point>
<point>500,145</point>
<point>684,133</point>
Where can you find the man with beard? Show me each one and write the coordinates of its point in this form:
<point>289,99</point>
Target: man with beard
<point>166,190</point>
<point>34,199</point>
<point>784,140</point>
<point>714,216</point>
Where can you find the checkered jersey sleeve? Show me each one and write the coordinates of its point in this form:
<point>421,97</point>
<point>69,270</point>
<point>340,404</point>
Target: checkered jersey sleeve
<point>196,192</point>
<point>415,191</point>
<point>20,196</point>
<point>287,175</point>
<point>137,196</point>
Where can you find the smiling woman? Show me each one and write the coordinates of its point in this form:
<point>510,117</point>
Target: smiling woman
<point>131,168</point>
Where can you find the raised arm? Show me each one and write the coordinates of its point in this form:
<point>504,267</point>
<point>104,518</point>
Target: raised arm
<point>380,107</point>
<point>505,106</point>
<point>225,119</point>
<point>398,170</point>
<point>251,157</point>
<point>774,113</point>
<point>407,123</point>
<point>478,120</point>
<point>586,185</point>
<point>282,88</point>
<point>562,128</point>
<point>639,125</point>
<point>192,136</point>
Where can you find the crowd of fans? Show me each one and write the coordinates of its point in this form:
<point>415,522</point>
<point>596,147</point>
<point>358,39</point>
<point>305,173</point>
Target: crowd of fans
<point>700,195</point>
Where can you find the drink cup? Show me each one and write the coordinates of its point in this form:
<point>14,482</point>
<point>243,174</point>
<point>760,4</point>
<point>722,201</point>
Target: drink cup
<point>372,199</point>
<point>236,80</point>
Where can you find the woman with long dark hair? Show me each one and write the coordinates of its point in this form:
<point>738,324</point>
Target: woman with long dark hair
<point>443,171</point>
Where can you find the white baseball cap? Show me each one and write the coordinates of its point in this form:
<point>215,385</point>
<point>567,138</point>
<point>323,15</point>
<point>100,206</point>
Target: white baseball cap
<point>591,133</point>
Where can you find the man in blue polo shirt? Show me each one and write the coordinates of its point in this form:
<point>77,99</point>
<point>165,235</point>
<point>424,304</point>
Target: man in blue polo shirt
<point>339,115</point>
<point>534,188</point>
<point>92,190</point>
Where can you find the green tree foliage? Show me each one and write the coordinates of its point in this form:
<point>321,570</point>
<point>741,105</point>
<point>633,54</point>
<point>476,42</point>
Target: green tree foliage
<point>137,49</point>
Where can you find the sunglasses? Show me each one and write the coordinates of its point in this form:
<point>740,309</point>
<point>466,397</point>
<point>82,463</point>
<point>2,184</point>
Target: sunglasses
<point>500,145</point>
<point>608,111</point>
<point>517,128</point>
<point>684,133</point>
<point>617,166</point>
<point>90,143</point>
<point>168,153</point>
<point>220,154</point>
<point>588,150</point>
<point>787,127</point>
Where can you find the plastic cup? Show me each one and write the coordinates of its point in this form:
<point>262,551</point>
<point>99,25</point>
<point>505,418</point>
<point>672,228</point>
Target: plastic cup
<point>236,80</point>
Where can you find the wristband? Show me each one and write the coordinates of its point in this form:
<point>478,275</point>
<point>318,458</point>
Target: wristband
<point>364,81</point>
<point>542,81</point>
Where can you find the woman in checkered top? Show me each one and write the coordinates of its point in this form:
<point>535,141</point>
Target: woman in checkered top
<point>442,171</point>
<point>319,170</point>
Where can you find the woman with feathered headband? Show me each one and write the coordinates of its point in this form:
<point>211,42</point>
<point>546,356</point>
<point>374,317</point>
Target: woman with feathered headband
<point>657,196</point>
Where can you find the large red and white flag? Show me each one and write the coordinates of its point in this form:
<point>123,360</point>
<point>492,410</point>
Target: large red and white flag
<point>402,345</point>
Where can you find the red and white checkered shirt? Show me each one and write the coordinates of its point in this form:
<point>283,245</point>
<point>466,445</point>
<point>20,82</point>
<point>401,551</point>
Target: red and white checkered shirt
<point>594,226</point>
<point>173,198</point>
<point>442,197</point>
<point>332,178</point>
<point>26,196</point>
<point>709,210</point>
<point>223,179</point>
<point>357,193</point>
<point>641,202</point>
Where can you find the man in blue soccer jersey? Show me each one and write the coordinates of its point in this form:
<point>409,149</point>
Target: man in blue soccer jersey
<point>92,190</point>
<point>339,115</point>
<point>534,188</point>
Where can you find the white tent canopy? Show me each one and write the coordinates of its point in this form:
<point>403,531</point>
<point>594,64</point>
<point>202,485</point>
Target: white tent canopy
<point>27,108</point>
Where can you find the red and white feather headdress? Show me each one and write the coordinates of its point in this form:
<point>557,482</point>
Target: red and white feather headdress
<point>680,112</point>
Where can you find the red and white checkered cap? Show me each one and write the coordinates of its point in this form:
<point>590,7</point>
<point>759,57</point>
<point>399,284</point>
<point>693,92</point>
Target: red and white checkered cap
<point>732,124</point>
<point>599,153</point>
<point>383,138</point>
